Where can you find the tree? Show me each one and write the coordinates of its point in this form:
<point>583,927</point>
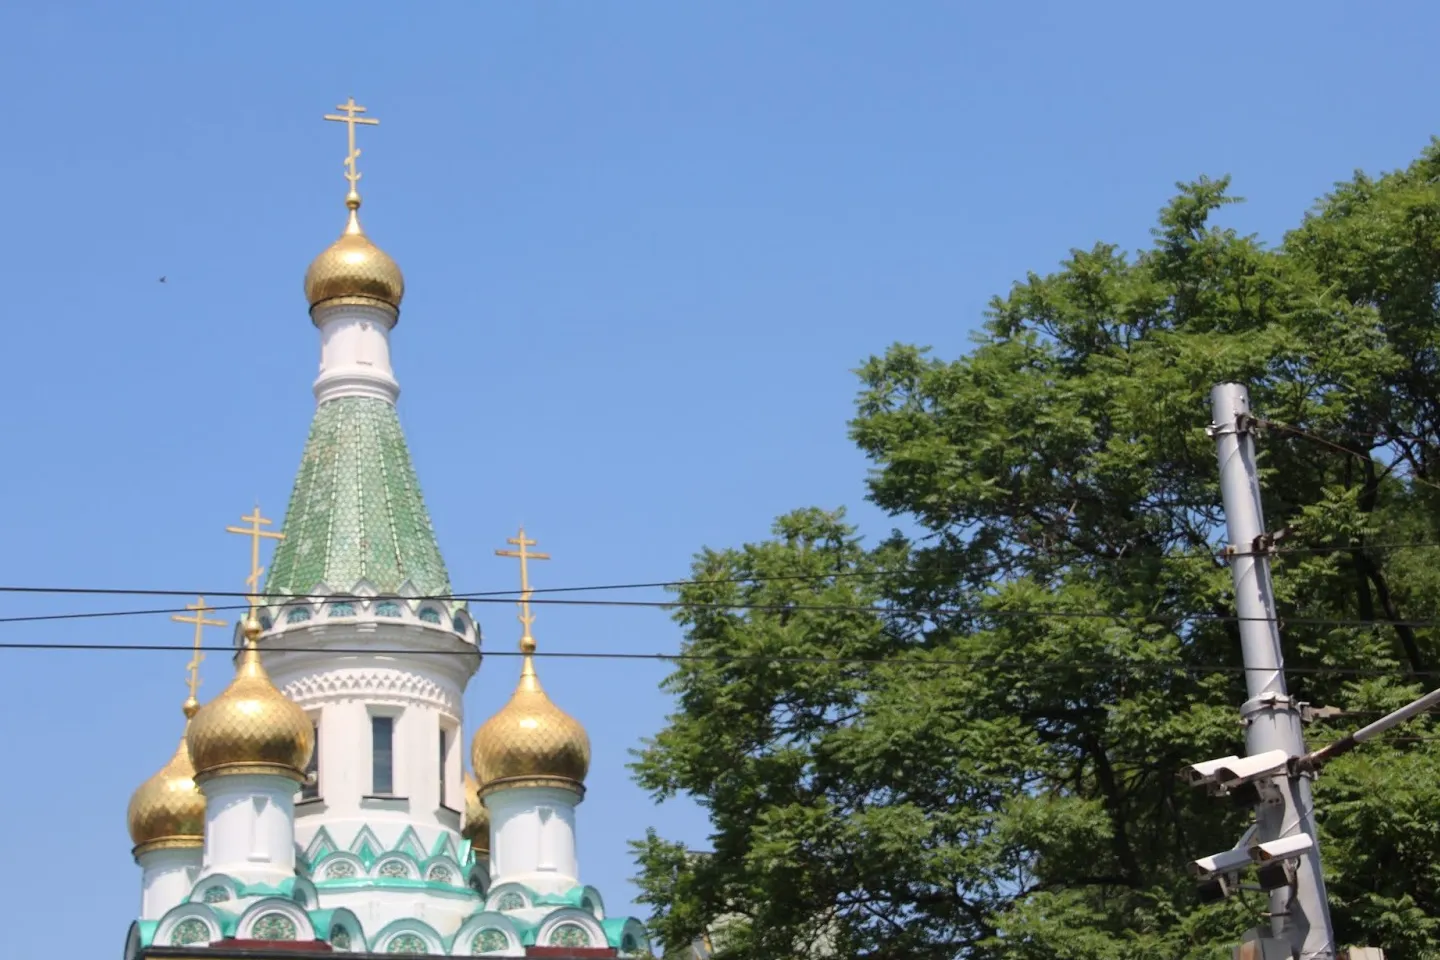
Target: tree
<point>964,742</point>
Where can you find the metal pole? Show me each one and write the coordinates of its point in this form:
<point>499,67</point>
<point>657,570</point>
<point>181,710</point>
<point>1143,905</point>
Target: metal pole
<point>1300,914</point>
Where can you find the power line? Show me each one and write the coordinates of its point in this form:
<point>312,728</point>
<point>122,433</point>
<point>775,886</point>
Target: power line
<point>483,595</point>
<point>897,661</point>
<point>1339,447</point>
<point>976,612</point>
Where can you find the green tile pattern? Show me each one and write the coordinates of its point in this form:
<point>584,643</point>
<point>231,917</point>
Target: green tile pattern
<point>274,926</point>
<point>488,940</point>
<point>569,935</point>
<point>356,512</point>
<point>189,931</point>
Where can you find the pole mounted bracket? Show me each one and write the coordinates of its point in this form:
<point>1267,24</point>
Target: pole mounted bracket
<point>1270,703</point>
<point>1244,423</point>
<point>1309,713</point>
<point>1263,545</point>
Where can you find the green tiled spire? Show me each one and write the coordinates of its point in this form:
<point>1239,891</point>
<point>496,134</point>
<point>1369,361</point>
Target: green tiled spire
<point>356,512</point>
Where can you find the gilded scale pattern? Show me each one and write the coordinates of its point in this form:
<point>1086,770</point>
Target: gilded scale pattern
<point>250,724</point>
<point>168,810</point>
<point>530,738</point>
<point>354,269</point>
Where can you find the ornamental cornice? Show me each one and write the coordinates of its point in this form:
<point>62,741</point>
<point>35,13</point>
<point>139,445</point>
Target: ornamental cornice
<point>373,684</point>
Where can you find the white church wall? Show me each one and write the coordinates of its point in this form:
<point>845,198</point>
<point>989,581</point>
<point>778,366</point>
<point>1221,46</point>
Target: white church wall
<point>166,877</point>
<point>532,838</point>
<point>249,827</point>
<point>354,353</point>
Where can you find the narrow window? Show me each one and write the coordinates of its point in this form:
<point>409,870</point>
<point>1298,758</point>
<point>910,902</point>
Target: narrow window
<point>444,749</point>
<point>310,789</point>
<point>382,755</point>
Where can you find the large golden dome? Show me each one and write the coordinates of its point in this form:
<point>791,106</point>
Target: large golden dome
<point>476,825</point>
<point>251,727</point>
<point>168,811</point>
<point>530,742</point>
<point>353,269</point>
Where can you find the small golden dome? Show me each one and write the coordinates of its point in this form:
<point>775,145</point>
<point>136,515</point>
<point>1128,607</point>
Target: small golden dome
<point>476,825</point>
<point>530,742</point>
<point>354,269</point>
<point>168,811</point>
<point>251,727</point>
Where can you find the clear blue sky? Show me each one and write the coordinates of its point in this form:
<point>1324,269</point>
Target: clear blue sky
<point>645,243</point>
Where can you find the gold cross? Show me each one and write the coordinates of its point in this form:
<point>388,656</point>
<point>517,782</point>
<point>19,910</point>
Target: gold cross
<point>352,117</point>
<point>527,642</point>
<point>201,622</point>
<point>256,535</point>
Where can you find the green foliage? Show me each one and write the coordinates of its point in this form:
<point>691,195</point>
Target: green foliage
<point>962,777</point>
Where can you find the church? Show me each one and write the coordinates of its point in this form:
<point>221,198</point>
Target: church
<point>320,802</point>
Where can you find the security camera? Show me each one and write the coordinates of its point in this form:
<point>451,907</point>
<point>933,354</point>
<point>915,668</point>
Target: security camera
<point>1218,888</point>
<point>1202,774</point>
<point>1286,848</point>
<point>1253,793</point>
<point>1232,774</point>
<point>1277,860</point>
<point>1219,864</point>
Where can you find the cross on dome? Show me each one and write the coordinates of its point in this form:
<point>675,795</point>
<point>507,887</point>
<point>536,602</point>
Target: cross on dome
<point>524,555</point>
<point>350,119</point>
<point>256,534</point>
<point>193,667</point>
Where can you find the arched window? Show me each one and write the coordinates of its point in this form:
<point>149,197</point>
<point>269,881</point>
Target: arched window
<point>489,940</point>
<point>274,926</point>
<point>569,935</point>
<point>407,943</point>
<point>188,931</point>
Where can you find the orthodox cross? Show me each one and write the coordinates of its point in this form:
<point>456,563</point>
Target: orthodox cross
<point>201,622</point>
<point>524,555</point>
<point>256,535</point>
<point>352,117</point>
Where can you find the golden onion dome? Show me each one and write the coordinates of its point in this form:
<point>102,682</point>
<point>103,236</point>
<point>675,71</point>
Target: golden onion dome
<point>353,269</point>
<point>168,811</point>
<point>251,727</point>
<point>476,825</point>
<point>530,742</point>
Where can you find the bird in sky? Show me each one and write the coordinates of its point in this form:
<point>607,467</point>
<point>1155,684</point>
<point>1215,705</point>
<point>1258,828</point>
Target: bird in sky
<point>162,279</point>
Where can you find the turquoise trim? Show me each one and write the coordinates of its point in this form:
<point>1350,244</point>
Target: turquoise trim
<point>285,889</point>
<point>324,921</point>
<point>410,843</point>
<point>229,922</point>
<point>395,883</point>
<point>618,928</point>
<point>321,846</point>
<point>145,931</point>
<point>445,847</point>
<point>570,898</point>
<point>367,847</point>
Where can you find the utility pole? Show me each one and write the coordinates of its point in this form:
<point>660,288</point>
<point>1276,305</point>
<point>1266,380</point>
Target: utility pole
<point>1300,912</point>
